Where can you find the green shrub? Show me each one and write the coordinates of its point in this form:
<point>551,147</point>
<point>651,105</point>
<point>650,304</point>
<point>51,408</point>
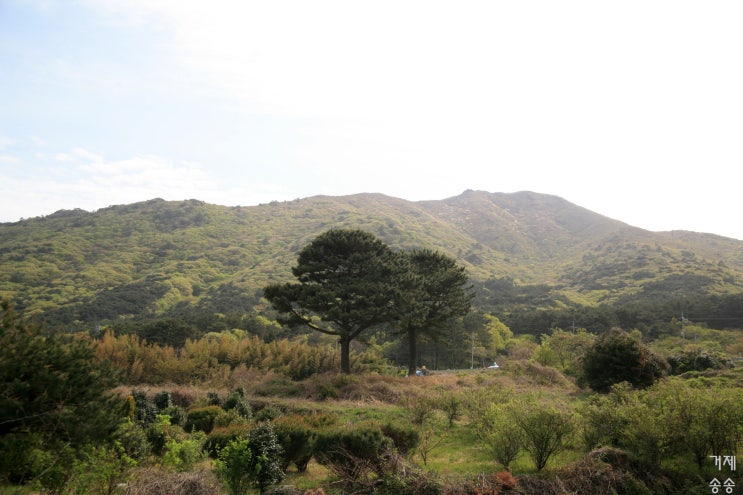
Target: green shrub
<point>501,434</point>
<point>404,436</point>
<point>219,437</point>
<point>202,418</point>
<point>297,439</point>
<point>98,470</point>
<point>233,466</point>
<point>546,431</point>
<point>177,415</point>
<point>268,413</point>
<point>353,452</point>
<point>236,401</point>
<point>231,417</point>
<point>617,357</point>
<point>698,360</point>
<point>251,461</point>
<point>162,400</point>
<point>145,409</point>
<point>213,399</point>
<point>452,407</point>
<point>183,455</point>
<point>133,440</point>
<point>160,433</point>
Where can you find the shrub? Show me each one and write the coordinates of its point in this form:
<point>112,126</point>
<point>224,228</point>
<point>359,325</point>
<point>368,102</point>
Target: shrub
<point>145,409</point>
<point>268,413</point>
<point>183,455</point>
<point>202,418</point>
<point>162,400</point>
<point>251,461</point>
<point>133,440</point>
<point>545,431</point>
<point>501,434</point>
<point>97,471</point>
<point>404,436</point>
<point>233,466</point>
<point>177,415</point>
<point>698,360</point>
<point>219,437</point>
<point>452,407</point>
<point>236,401</point>
<point>616,357</point>
<point>213,399</point>
<point>353,453</point>
<point>297,439</point>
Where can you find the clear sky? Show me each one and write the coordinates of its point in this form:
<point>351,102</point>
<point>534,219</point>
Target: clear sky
<point>633,109</point>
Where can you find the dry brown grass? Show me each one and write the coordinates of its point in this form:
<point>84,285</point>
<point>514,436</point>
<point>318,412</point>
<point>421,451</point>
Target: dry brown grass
<point>157,482</point>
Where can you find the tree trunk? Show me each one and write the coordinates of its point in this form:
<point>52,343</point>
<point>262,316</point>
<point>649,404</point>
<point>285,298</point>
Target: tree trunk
<point>345,354</point>
<point>412,352</point>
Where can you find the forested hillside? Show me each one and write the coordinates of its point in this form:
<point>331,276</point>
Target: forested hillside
<point>537,261</point>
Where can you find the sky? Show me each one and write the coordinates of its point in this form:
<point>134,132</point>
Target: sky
<point>632,109</point>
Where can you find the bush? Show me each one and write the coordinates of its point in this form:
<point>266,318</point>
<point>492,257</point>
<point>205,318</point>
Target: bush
<point>251,461</point>
<point>268,413</point>
<point>202,418</point>
<point>218,438</point>
<point>354,453</point>
<point>145,409</point>
<point>133,440</point>
<point>183,455</point>
<point>162,400</point>
<point>177,415</point>
<point>501,434</point>
<point>236,401</point>
<point>616,357</point>
<point>404,436</point>
<point>97,471</point>
<point>297,439</point>
<point>698,360</point>
<point>545,431</point>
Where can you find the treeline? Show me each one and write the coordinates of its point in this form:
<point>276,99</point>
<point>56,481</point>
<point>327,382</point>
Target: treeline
<point>215,356</point>
<point>654,318</point>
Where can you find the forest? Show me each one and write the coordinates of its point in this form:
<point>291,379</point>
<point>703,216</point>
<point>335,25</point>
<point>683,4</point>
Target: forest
<point>316,394</point>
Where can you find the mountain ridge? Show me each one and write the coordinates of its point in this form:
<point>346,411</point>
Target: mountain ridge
<point>181,253</point>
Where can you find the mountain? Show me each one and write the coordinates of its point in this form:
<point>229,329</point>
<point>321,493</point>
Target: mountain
<point>162,257</point>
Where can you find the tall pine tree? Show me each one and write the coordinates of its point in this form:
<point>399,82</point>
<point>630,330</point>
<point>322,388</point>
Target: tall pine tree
<point>345,286</point>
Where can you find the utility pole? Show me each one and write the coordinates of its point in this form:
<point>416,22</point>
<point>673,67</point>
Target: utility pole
<point>472,362</point>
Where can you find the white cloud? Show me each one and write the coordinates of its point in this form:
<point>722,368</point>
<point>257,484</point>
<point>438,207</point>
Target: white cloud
<point>89,181</point>
<point>9,159</point>
<point>64,157</point>
<point>87,155</point>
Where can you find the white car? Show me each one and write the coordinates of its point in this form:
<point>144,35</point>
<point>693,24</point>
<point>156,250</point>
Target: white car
<point>493,366</point>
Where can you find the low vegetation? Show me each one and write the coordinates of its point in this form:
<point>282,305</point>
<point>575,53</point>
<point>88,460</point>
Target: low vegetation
<point>523,428</point>
<point>247,406</point>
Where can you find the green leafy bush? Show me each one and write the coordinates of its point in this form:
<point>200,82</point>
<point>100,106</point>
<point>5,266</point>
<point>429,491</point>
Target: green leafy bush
<point>404,436</point>
<point>236,401</point>
<point>249,461</point>
<point>219,437</point>
<point>353,452</point>
<point>616,357</point>
<point>184,454</point>
<point>202,418</point>
<point>698,360</point>
<point>297,438</point>
<point>546,431</point>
